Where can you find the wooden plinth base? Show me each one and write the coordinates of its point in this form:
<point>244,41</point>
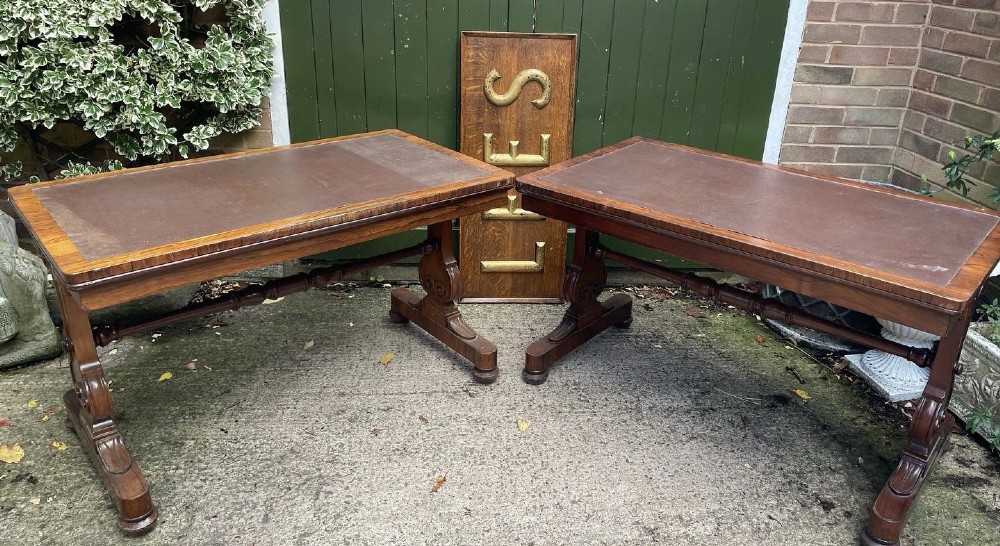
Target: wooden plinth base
<point>891,508</point>
<point>122,477</point>
<point>449,328</point>
<point>570,334</point>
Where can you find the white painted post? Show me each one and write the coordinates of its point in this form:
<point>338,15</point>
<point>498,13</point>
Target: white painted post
<point>279,100</point>
<point>783,86</point>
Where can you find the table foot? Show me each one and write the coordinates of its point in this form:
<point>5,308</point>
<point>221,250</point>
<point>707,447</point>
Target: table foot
<point>892,506</point>
<point>928,438</point>
<point>437,312</point>
<point>586,316</point>
<point>121,475</point>
<point>452,331</point>
<point>88,408</point>
<point>616,311</point>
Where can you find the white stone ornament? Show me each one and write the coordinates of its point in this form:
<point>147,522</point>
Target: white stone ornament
<point>895,377</point>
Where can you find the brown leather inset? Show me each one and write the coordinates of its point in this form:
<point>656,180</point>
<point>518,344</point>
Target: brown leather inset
<point>107,216</point>
<point>896,233</point>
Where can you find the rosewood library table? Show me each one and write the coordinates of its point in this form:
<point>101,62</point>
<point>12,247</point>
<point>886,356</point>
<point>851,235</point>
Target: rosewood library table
<point>116,237</point>
<point>916,261</point>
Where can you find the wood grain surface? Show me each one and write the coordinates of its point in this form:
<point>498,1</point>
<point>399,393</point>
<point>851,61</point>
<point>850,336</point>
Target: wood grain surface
<point>806,232</point>
<point>522,121</point>
<point>188,219</point>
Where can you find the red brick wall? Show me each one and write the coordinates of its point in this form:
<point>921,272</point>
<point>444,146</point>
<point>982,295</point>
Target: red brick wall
<point>852,86</point>
<point>956,91</point>
<point>882,89</point>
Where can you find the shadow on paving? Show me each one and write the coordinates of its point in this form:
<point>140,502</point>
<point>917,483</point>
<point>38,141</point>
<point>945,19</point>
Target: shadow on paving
<point>289,430</point>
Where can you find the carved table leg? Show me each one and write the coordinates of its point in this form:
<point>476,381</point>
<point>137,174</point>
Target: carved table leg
<point>586,316</point>
<point>437,313</point>
<point>89,407</point>
<point>928,433</point>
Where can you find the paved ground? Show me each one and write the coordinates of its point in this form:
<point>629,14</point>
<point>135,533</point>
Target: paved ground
<point>680,430</point>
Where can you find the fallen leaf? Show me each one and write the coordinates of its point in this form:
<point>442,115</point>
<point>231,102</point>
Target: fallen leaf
<point>523,425</point>
<point>165,376</point>
<point>46,417</point>
<point>694,313</point>
<point>113,352</point>
<point>309,345</point>
<point>53,409</point>
<point>424,420</point>
<point>270,301</point>
<point>801,394</point>
<point>439,483</point>
<point>11,454</point>
<point>32,404</point>
<point>120,389</point>
<point>761,339</point>
<point>61,446</point>
<point>35,500</point>
<point>387,358</point>
<point>191,366</point>
<point>841,365</point>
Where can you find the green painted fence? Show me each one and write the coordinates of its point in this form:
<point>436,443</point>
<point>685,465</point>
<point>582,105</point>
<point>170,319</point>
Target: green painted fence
<point>697,72</point>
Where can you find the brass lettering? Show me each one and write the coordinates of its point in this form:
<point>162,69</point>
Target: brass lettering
<point>516,266</point>
<point>515,158</point>
<point>512,212</point>
<point>523,77</point>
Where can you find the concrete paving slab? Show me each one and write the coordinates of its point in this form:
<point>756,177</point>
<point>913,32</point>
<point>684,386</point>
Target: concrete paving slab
<point>678,430</point>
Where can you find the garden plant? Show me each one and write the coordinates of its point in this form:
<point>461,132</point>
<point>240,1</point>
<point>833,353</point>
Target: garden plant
<point>134,81</point>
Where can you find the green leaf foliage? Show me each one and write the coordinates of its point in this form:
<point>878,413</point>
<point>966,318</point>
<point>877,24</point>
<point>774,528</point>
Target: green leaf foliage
<point>980,148</point>
<point>154,79</point>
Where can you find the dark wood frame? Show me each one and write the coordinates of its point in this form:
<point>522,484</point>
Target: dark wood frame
<point>85,285</point>
<point>943,310</point>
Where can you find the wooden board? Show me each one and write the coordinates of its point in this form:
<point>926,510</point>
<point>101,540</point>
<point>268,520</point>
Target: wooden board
<point>520,118</point>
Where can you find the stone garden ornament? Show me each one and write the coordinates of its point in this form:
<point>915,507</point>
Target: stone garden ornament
<point>26,330</point>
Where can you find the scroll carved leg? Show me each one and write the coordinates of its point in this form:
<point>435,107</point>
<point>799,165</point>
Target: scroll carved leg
<point>437,313</point>
<point>88,405</point>
<point>928,434</point>
<point>586,316</point>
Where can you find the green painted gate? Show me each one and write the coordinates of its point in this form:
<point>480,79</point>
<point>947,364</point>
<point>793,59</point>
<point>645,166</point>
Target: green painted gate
<point>697,72</point>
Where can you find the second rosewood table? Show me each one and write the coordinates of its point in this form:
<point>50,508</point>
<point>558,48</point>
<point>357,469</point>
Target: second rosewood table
<point>116,237</point>
<point>912,260</point>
